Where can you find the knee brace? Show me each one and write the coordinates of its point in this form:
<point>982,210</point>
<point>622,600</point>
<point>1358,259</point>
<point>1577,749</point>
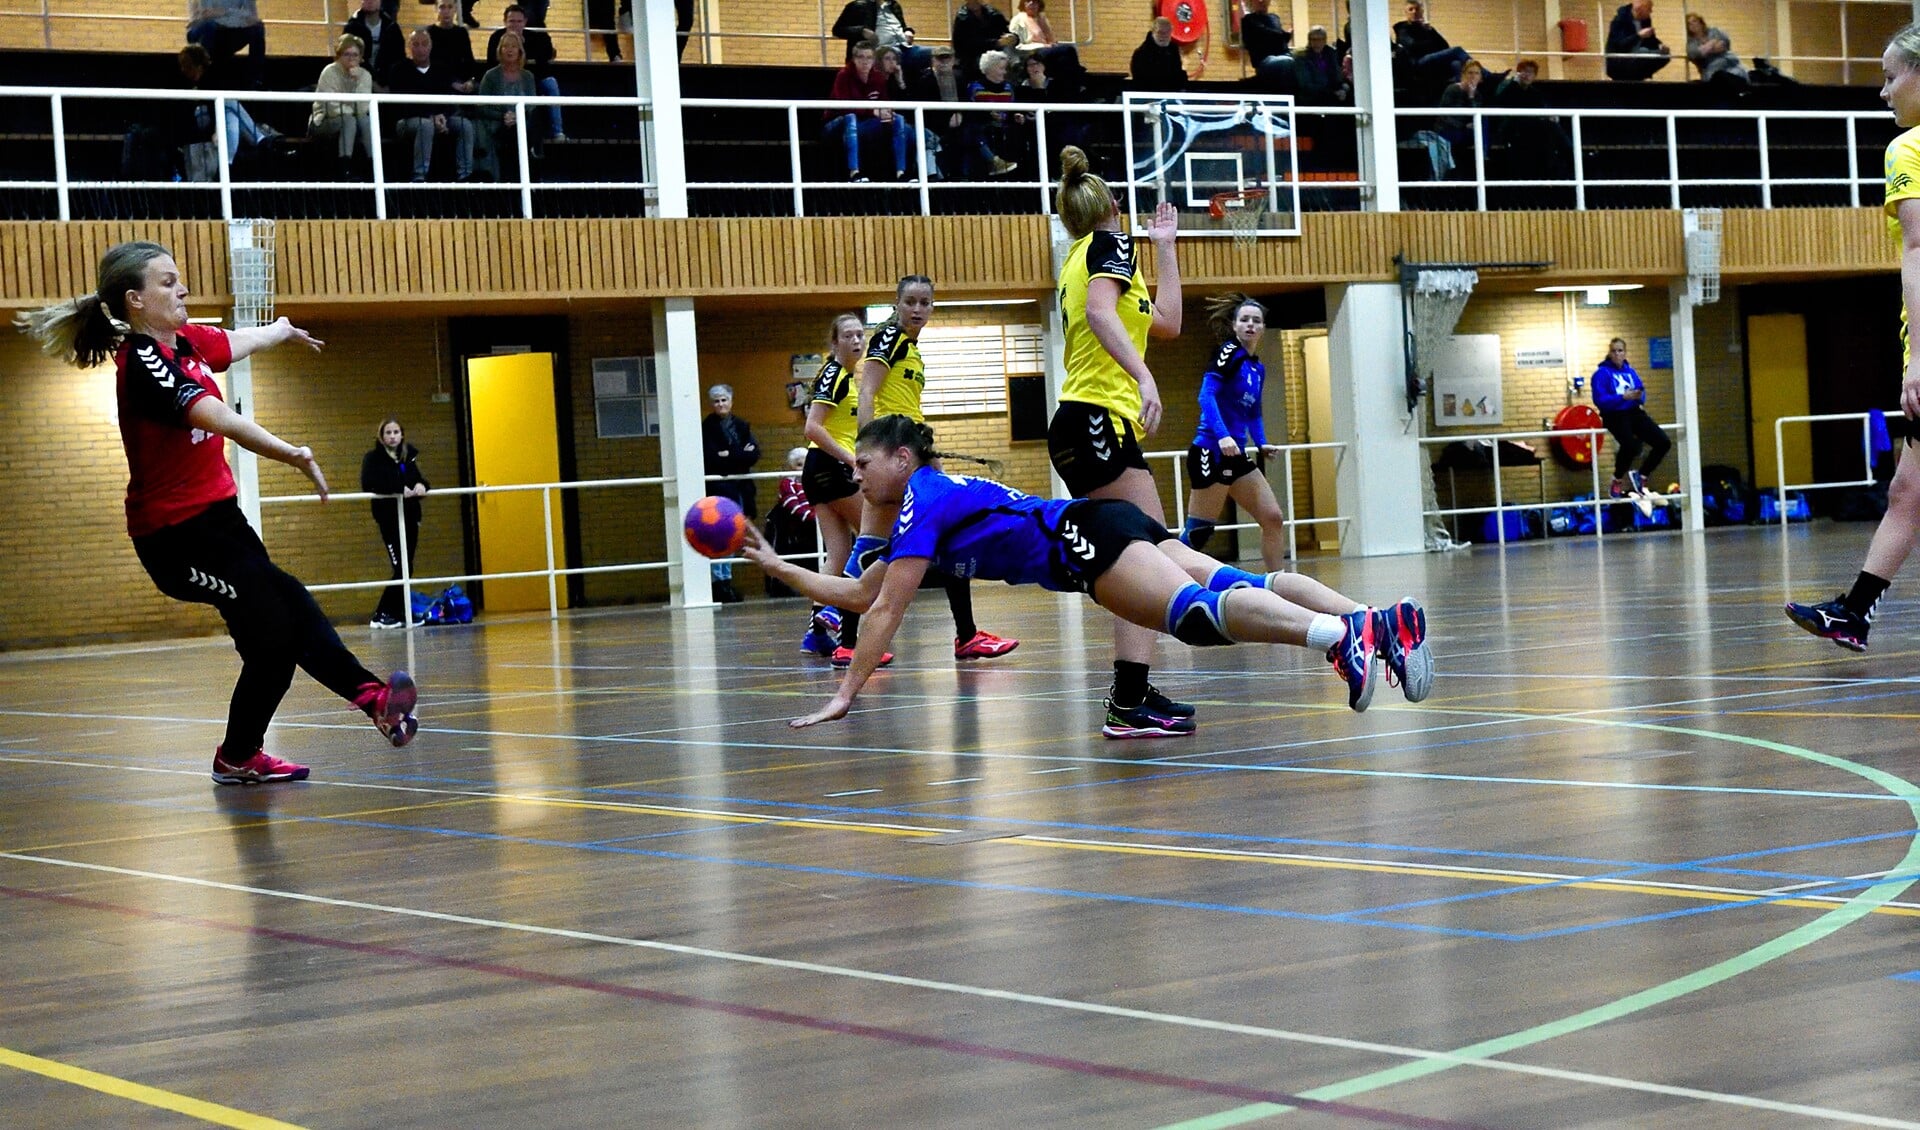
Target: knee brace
<point>1194,616</point>
<point>1196,532</point>
<point>1227,578</point>
<point>866,550</point>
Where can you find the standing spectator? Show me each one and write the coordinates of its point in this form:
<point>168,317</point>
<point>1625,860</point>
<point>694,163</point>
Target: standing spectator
<point>994,132</point>
<point>730,450</point>
<point>347,122</point>
<point>1621,398</point>
<point>683,23</point>
<point>392,468</point>
<point>885,24</point>
<point>977,29</point>
<point>386,43</point>
<point>1426,51</point>
<point>1634,52</point>
<point>858,81</point>
<point>946,132</point>
<point>453,47</point>
<point>224,27</point>
<point>1035,37</point>
<point>1319,71</point>
<point>540,55</point>
<point>434,116</point>
<point>1156,62</point>
<point>1262,38</point>
<point>498,124</point>
<point>1712,52</point>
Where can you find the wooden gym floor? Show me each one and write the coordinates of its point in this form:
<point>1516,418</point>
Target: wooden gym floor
<point>1643,859</point>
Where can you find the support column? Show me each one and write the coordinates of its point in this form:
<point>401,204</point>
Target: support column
<point>1379,480</point>
<point>656,66</point>
<point>1055,337</point>
<point>246,465</point>
<point>1686,402</point>
<point>1373,95</point>
<point>676,363</point>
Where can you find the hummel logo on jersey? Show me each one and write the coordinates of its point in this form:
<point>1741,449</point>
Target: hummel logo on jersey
<point>905,521</point>
<point>1076,542</point>
<point>1097,428</point>
<point>1206,463</point>
<point>155,364</point>
<point>208,581</point>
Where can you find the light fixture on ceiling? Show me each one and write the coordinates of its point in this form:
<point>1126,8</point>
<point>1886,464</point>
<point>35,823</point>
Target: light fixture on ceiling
<point>880,312</point>
<point>208,320</point>
<point>1596,294</point>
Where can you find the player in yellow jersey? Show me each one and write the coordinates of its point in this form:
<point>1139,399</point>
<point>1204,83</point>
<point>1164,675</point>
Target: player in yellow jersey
<point>1109,400</point>
<point>827,476</point>
<point>1846,618</point>
<point>891,379</point>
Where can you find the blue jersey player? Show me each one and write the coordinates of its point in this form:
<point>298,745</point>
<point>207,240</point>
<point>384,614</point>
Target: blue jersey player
<point>1108,548</point>
<point>1225,459</point>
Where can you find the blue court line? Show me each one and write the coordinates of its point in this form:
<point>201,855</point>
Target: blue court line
<point>1695,865</point>
<point>1758,900</point>
<point>978,797</point>
<point>1914,976</point>
<point>663,835</point>
<point>1900,693</point>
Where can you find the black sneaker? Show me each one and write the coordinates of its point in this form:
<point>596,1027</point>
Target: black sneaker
<point>1143,722</point>
<point>1161,704</point>
<point>383,621</point>
<point>1832,620</point>
<point>1353,656</point>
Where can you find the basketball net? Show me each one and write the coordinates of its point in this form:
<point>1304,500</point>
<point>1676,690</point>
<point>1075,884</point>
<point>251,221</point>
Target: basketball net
<point>1438,298</point>
<point>1241,212</point>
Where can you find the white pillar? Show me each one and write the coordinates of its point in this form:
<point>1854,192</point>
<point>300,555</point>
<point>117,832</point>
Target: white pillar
<point>676,362</point>
<point>1379,480</point>
<point>1686,401</point>
<point>1373,95</point>
<point>656,65</point>
<point>246,465</point>
<point>1055,339</point>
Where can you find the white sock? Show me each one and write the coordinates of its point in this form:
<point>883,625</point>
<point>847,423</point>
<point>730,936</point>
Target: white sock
<point>1325,631</point>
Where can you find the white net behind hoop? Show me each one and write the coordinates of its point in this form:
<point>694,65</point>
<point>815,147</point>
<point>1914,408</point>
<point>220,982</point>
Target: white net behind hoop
<point>250,252</point>
<point>1439,297</point>
<point>1242,217</point>
<point>1702,227</point>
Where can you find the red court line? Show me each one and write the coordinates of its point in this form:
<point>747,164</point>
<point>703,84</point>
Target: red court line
<point>769,1015</point>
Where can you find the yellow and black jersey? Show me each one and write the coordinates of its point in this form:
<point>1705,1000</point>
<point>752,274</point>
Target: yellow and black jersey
<point>834,385</point>
<point>1093,376</point>
<point>899,394</point>
<point>1903,183</point>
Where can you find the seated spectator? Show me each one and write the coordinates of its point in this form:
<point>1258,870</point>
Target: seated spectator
<point>346,122</point>
<point>435,115</point>
<point>1062,128</point>
<point>540,54</point>
<point>997,134</point>
<point>1033,35</point>
<point>1319,73</point>
<point>498,124</point>
<point>977,29</point>
<point>1634,52</point>
<point>452,47</point>
<point>859,81</point>
<point>886,60</point>
<point>883,22</point>
<point>1263,38</point>
<point>945,131</point>
<point>386,43</point>
<point>1428,54</point>
<point>1156,62</point>
<point>1541,141</point>
<point>791,528</point>
<point>223,28</point>
<point>1458,129</point>
<point>196,125</point>
<point>1712,53</point>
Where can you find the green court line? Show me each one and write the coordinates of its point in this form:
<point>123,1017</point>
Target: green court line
<point>1849,912</point>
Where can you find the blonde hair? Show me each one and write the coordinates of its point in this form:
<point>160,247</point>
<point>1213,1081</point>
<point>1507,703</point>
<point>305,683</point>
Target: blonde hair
<point>833,327</point>
<point>1906,42</point>
<point>1223,309</point>
<point>346,41</point>
<point>85,331</point>
<point>1083,200</point>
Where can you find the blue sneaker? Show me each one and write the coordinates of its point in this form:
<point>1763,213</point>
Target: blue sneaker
<point>1402,634</point>
<point>1832,621</point>
<point>817,642</point>
<point>1352,657</point>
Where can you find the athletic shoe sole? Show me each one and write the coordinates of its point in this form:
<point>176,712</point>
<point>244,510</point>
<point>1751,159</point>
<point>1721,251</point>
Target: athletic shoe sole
<point>1851,643</point>
<point>1124,732</point>
<point>1416,676</point>
<point>293,773</point>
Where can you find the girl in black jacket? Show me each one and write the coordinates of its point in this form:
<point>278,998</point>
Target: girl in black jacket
<point>393,468</point>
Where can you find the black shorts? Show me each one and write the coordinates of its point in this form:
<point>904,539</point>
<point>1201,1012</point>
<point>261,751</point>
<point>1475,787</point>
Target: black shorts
<point>1207,467</point>
<point>825,479</point>
<point>1093,533</point>
<point>1087,448</point>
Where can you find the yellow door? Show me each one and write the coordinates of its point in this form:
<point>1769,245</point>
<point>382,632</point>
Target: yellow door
<point>1777,378</point>
<point>516,439</point>
<point>1325,461</point>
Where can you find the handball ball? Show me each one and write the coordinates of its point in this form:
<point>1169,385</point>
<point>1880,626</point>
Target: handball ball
<point>716,527</point>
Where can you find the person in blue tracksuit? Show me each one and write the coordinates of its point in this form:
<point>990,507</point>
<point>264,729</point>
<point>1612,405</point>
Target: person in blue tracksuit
<point>1128,563</point>
<point>1621,398</point>
<point>1230,447</point>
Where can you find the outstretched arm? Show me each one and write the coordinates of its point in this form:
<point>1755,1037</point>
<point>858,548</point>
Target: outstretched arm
<point>877,626</point>
<point>252,340</point>
<point>841,592</point>
<point>212,414</point>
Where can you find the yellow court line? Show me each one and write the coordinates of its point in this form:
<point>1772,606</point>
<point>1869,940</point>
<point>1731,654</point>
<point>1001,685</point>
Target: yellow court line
<point>1832,714</point>
<point>721,817</point>
<point>141,1093</point>
<point>44,848</point>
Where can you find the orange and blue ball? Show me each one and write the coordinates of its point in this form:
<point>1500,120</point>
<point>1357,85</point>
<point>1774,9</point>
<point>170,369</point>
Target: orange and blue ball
<point>716,527</point>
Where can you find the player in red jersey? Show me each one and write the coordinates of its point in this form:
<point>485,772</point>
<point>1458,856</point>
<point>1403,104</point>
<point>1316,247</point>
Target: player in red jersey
<point>182,508</point>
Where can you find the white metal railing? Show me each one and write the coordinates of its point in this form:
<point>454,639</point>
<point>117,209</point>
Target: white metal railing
<point>552,570</point>
<point>1780,455</point>
<point>525,139</point>
<point>1285,451</point>
<point>1598,502</point>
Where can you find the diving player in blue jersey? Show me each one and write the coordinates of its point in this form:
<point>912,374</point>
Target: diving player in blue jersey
<point>1229,447</point>
<point>1108,548</point>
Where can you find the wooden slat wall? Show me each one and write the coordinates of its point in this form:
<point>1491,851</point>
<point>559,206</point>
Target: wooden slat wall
<point>349,263</point>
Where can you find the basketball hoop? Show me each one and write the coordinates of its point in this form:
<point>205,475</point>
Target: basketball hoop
<point>1241,211</point>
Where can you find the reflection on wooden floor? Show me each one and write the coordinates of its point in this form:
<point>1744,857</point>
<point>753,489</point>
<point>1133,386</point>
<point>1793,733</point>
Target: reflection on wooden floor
<point>1643,859</point>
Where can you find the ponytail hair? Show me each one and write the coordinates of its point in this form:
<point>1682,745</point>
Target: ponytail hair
<point>1906,42</point>
<point>85,331</point>
<point>1083,200</point>
<point>890,433</point>
<point>899,290</point>
<point>1224,309</point>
